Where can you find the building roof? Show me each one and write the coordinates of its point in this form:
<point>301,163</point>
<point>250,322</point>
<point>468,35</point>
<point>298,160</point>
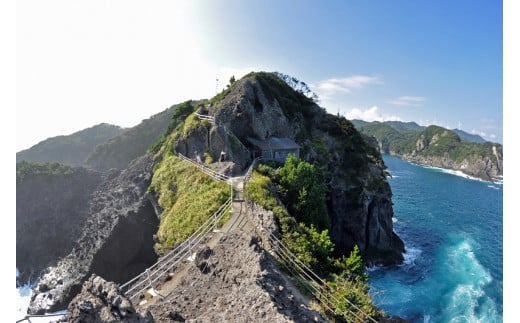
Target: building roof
<point>274,143</point>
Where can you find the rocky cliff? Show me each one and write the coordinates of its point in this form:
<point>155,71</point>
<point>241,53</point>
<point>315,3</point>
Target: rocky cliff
<point>51,207</point>
<point>116,241</point>
<point>438,147</point>
<point>359,199</point>
<point>485,163</point>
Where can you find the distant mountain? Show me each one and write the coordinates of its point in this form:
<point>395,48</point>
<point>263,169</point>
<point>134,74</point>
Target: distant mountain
<point>119,151</point>
<point>469,137</point>
<point>437,146</point>
<point>69,149</point>
<point>412,126</point>
<point>405,126</point>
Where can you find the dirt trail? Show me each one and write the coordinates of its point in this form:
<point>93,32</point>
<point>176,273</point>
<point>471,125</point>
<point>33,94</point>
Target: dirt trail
<point>232,279</point>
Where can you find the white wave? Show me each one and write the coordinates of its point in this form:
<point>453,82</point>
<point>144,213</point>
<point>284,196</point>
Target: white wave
<point>460,174</point>
<point>23,297</point>
<point>467,301</point>
<point>493,187</point>
<point>411,255</point>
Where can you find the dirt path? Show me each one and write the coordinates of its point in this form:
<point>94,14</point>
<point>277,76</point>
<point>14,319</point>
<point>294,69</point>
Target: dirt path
<point>237,220</point>
<point>239,281</point>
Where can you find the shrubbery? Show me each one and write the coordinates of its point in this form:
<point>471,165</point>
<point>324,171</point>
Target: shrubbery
<point>346,277</point>
<point>26,170</point>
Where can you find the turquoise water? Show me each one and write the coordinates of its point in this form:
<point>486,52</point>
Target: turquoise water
<point>452,229</point>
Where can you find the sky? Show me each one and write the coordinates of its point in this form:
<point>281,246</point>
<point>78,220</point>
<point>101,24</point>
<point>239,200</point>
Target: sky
<point>81,63</point>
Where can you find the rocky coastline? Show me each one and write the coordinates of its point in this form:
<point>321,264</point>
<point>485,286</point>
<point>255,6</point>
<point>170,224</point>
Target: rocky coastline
<point>482,168</point>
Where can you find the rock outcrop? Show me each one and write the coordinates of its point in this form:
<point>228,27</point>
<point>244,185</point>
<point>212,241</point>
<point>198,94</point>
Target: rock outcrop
<point>359,199</point>
<point>50,212</point>
<point>485,168</point>
<point>438,147</point>
<point>116,241</point>
<point>100,301</point>
<point>488,166</point>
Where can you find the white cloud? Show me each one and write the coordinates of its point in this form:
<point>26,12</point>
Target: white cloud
<point>483,134</point>
<point>371,114</point>
<point>344,85</point>
<point>407,100</point>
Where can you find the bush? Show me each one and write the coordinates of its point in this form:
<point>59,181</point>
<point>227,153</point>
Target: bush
<point>303,191</point>
<point>353,297</point>
<point>346,277</point>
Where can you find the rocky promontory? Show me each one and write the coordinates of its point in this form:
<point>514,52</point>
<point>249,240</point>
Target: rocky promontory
<point>488,167</point>
<point>437,147</point>
<point>121,217</point>
<point>116,242</point>
<point>359,197</point>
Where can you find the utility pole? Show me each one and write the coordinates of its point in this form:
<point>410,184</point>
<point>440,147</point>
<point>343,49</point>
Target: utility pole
<point>216,88</point>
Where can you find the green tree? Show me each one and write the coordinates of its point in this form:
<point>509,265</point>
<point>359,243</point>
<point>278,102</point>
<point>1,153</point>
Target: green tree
<point>303,191</point>
<point>355,265</point>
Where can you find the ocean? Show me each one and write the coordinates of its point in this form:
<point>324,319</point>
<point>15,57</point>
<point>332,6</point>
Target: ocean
<point>452,229</point>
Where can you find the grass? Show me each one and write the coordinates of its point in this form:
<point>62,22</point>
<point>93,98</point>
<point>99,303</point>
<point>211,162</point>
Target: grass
<point>188,197</point>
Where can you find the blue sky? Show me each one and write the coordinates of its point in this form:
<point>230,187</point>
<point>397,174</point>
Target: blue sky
<point>85,62</point>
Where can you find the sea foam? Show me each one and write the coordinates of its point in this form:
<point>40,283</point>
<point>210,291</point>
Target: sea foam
<point>466,300</point>
<point>459,173</point>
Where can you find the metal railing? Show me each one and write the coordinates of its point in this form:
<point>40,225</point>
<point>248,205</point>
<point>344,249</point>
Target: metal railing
<point>208,171</point>
<point>249,172</point>
<point>313,282</point>
<point>205,117</point>
<point>317,286</point>
<point>149,278</point>
<point>28,317</point>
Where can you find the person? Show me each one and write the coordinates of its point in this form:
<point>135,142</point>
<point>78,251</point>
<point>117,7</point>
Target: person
<point>198,158</point>
<point>222,156</point>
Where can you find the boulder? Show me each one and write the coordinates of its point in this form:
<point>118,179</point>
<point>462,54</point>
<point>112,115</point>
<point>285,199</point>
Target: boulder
<point>101,301</point>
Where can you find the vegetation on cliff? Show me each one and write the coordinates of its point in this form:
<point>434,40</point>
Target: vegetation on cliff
<point>298,186</point>
<point>186,195</point>
<point>49,171</point>
<point>402,139</point>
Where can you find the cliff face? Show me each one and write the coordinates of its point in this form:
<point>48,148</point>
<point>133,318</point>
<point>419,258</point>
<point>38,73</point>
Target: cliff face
<point>364,217</point>
<point>50,211</point>
<point>438,147</point>
<point>486,163</point>
<point>359,197</point>
<point>116,241</point>
<point>484,168</point>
